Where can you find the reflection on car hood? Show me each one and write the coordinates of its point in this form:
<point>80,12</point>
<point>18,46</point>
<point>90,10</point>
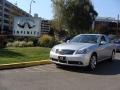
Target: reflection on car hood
<point>74,46</point>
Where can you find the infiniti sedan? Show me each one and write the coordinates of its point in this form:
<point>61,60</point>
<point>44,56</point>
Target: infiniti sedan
<point>83,50</point>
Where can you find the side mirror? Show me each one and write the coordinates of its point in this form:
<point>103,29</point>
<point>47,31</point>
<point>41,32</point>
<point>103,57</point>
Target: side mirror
<point>103,43</point>
<point>67,41</point>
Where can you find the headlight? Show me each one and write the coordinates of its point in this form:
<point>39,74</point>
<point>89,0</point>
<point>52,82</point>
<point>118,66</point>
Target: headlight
<point>53,49</point>
<point>84,51</point>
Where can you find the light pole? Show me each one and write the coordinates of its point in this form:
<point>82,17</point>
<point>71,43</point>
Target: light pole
<point>32,1</point>
<point>118,24</point>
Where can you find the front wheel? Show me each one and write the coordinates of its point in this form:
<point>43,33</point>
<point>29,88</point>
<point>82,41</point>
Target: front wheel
<point>93,62</point>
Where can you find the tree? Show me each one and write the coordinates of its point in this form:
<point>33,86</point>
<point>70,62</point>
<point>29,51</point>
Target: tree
<point>76,16</point>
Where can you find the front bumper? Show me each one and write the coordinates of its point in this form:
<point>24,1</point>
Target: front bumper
<point>71,60</point>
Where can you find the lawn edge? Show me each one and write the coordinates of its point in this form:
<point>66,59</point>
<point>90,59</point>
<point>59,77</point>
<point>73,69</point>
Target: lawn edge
<point>23,64</point>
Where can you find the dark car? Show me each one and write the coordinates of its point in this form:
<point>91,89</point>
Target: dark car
<point>117,43</point>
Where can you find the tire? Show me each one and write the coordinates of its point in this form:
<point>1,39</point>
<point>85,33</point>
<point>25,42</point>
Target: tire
<point>112,56</point>
<point>58,65</point>
<point>92,63</point>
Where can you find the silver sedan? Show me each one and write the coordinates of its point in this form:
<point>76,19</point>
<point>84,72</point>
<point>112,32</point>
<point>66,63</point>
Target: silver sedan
<point>83,50</point>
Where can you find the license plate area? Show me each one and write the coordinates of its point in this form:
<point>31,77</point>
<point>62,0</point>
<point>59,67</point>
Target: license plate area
<point>62,58</point>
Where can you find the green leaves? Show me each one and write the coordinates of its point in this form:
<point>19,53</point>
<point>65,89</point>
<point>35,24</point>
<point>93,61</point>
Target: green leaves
<point>74,15</point>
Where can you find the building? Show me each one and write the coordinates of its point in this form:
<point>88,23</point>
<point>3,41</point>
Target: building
<point>107,24</point>
<point>7,13</point>
<point>45,26</point>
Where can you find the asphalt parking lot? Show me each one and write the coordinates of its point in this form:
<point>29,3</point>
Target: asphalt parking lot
<point>48,77</point>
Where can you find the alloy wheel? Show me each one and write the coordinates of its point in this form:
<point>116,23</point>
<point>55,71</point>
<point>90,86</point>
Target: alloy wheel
<point>93,62</point>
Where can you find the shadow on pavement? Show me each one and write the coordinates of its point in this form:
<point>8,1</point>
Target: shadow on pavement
<point>8,53</point>
<point>103,68</point>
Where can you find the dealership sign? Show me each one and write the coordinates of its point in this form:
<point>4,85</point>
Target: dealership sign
<point>27,26</point>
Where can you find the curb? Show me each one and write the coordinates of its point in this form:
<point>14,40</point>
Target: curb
<point>23,64</point>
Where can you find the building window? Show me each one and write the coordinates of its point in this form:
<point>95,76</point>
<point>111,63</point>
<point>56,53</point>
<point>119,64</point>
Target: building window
<point>6,10</point>
<point>0,7</point>
<point>0,13</point>
<point>6,28</point>
<point>17,32</point>
<point>13,32</point>
<point>27,32</point>
<point>34,32</point>
<point>6,4</point>
<point>1,1</point>
<point>21,32</point>
<point>37,33</point>
<point>6,16</point>
<point>6,21</point>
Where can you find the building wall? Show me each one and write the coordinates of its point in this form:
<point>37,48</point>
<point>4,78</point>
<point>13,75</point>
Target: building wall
<point>7,13</point>
<point>108,25</point>
<point>45,26</point>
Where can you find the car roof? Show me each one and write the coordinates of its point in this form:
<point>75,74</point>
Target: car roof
<point>93,34</point>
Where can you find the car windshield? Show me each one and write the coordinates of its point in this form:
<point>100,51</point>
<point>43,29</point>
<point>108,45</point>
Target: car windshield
<point>85,39</point>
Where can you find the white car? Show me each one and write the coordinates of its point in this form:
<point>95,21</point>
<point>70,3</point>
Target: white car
<point>83,50</point>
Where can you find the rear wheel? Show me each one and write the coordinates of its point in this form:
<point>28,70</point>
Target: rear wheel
<point>93,62</point>
<point>58,65</point>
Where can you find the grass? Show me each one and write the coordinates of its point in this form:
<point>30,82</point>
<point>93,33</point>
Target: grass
<point>15,55</point>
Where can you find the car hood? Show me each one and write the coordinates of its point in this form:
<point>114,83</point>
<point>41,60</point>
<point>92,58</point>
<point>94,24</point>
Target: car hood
<point>74,46</point>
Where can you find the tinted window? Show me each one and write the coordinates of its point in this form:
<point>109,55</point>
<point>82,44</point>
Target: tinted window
<point>85,39</point>
<point>103,38</point>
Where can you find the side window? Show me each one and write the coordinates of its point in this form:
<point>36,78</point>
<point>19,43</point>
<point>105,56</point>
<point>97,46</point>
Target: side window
<point>103,38</point>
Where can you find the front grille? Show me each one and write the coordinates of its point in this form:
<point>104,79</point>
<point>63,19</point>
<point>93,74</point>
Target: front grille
<point>62,61</point>
<point>65,52</point>
<point>69,62</point>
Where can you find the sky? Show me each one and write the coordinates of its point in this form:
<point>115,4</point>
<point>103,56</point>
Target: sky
<point>105,8</point>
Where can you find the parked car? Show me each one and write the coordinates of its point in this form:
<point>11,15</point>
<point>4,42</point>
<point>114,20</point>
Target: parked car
<point>83,50</point>
<point>117,43</point>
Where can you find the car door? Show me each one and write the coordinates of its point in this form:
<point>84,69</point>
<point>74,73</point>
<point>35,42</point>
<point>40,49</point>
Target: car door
<point>109,47</point>
<point>102,49</point>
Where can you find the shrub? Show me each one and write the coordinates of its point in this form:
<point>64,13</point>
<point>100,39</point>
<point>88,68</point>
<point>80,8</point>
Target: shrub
<point>15,44</point>
<point>9,44</point>
<point>22,44</point>
<point>46,41</point>
<point>30,44</point>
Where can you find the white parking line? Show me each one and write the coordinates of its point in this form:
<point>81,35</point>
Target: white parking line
<point>38,69</point>
<point>45,68</point>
